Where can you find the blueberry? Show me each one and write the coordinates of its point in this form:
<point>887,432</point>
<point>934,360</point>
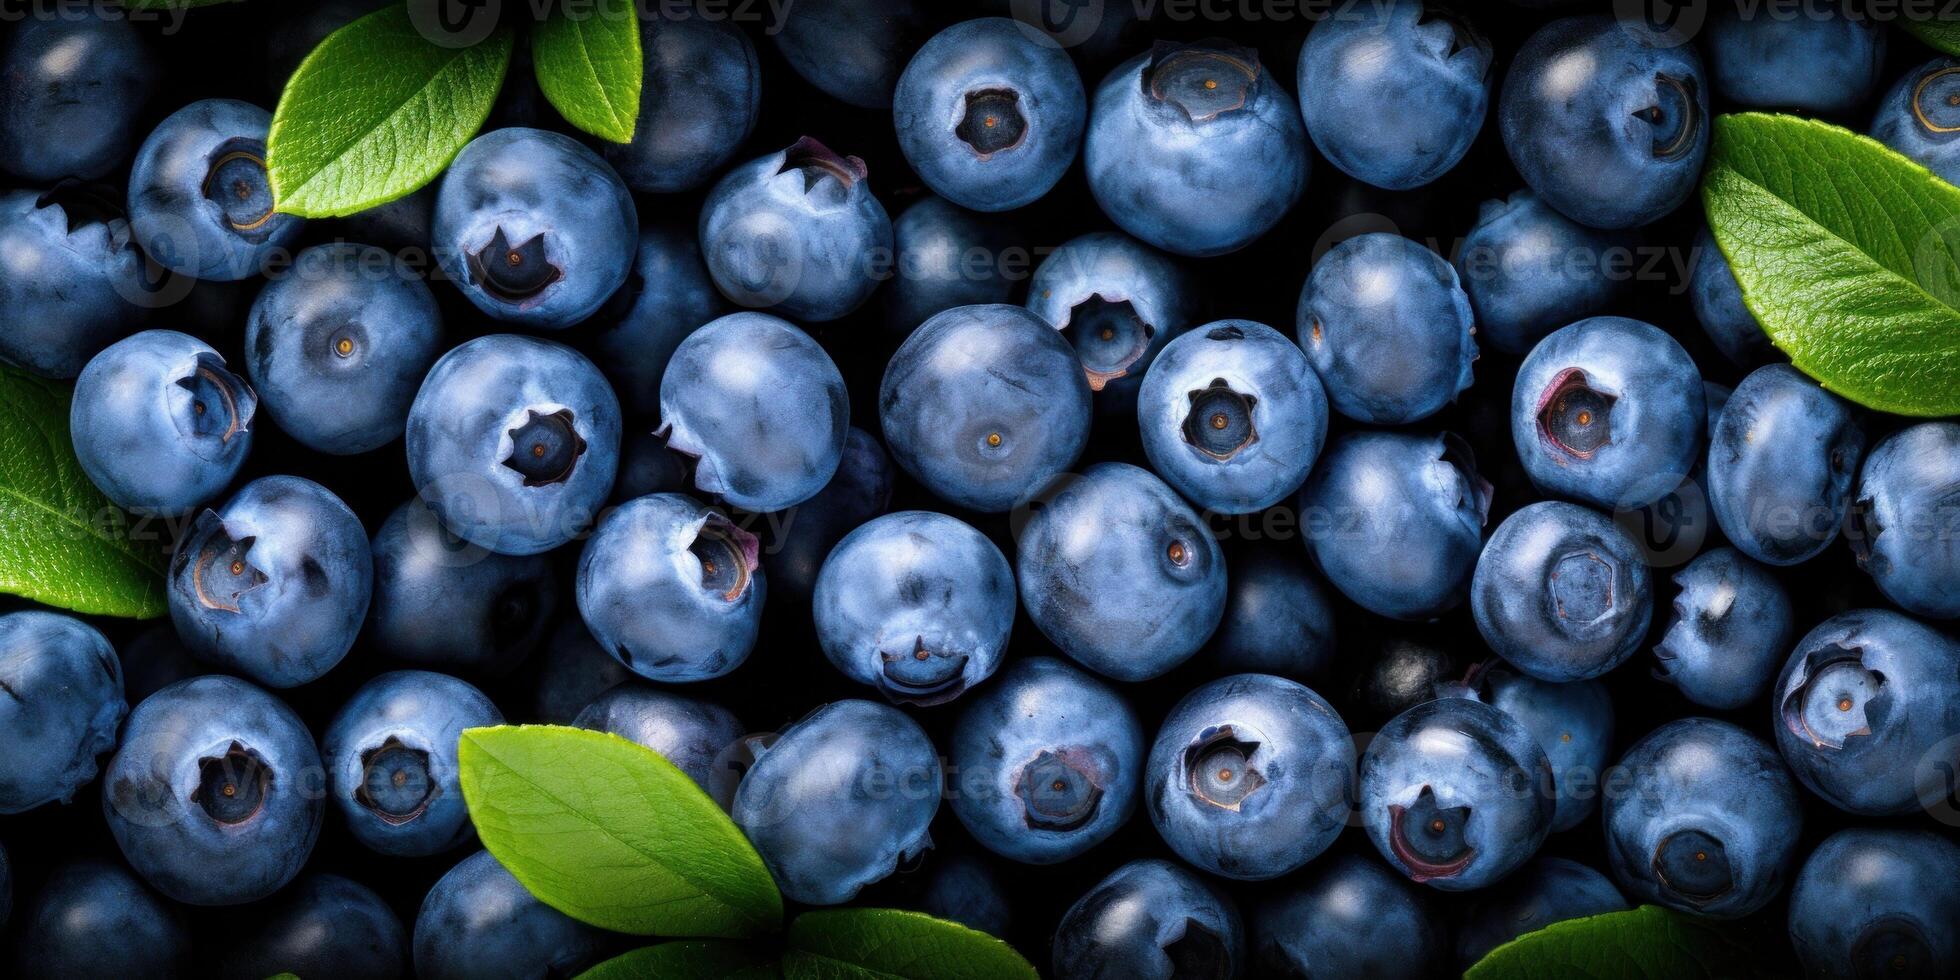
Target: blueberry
<point>1919,118</point>
<point>671,588</point>
<point>72,83</point>
<point>760,407</point>
<point>1195,148</point>
<point>1707,821</point>
<point>647,465</point>
<point>797,231</point>
<point>1278,618</point>
<point>990,113</point>
<point>1910,487</point>
<point>479,923</point>
<point>1387,326</point>
<point>1529,270</point>
<point>1249,776</point>
<point>1394,93</point>
<point>160,425</point>
<point>1731,626</point>
<point>699,98</point>
<point>1048,760</point>
<point>965,890</point>
<point>65,700</point>
<point>1573,723</point>
<point>688,732</point>
<point>1781,461</point>
<point>1718,304</point>
<point>1824,61</point>
<point>94,919</point>
<point>1878,902</point>
<point>1395,520</point>
<point>1401,672</point>
<point>1608,411</point>
<point>323,926</point>
<point>214,795</point>
<point>805,533</point>
<point>666,297</point>
<point>1607,119</point>
<point>274,584</point>
<point>390,754</point>
<point>443,603</point>
<point>851,50</point>
<point>984,405</point>
<point>1456,794</point>
<point>1118,301</point>
<point>1119,574</point>
<point>1347,916</point>
<point>839,800</point>
<point>72,276</point>
<point>200,200</point>
<point>339,345</point>
<point>573,671</point>
<point>534,228</point>
<point>1547,890</point>
<point>947,257</point>
<point>1232,416</point>
<point>1150,920</point>
<point>514,442</point>
<point>1561,592</point>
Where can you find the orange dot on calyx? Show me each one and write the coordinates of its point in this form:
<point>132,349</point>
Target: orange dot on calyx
<point>920,655</point>
<point>1585,418</point>
<point>229,790</point>
<point>238,568</point>
<point>513,259</point>
<point>993,439</point>
<point>1058,786</point>
<point>1437,825</point>
<point>1224,775</point>
<point>1176,551</point>
<point>1701,855</point>
<point>1220,421</point>
<point>1211,83</point>
<point>1108,334</point>
<point>1844,704</point>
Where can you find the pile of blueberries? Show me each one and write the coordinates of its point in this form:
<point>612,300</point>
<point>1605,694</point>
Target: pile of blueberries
<point>1404,513</point>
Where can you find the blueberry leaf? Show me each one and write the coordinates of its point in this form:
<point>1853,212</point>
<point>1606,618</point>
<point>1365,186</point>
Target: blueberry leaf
<point>1647,942</point>
<point>888,944</point>
<point>62,542</point>
<point>588,65</point>
<point>1847,253</point>
<point>693,959</point>
<point>609,833</point>
<point>1940,35</point>
<point>376,111</point>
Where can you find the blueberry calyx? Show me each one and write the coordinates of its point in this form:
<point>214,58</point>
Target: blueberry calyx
<point>237,183</point>
<point>1574,417</point>
<point>222,572</point>
<point>1836,698</point>
<point>1694,866</point>
<point>921,677</point>
<point>1474,492</point>
<point>546,448</point>
<point>1950,103</point>
<point>728,557</point>
<point>1462,36</point>
<point>1109,337</point>
<point>396,785</point>
<point>222,405</point>
<point>1218,768</point>
<point>232,787</point>
<point>1583,587</point>
<point>1675,116</point>
<point>1862,528</point>
<point>816,162</point>
<point>1058,790</point>
<point>1203,80</point>
<point>1440,846</point>
<point>734,762</point>
<point>83,204</point>
<point>1219,423</point>
<point>1892,946</point>
<point>1199,953</point>
<point>993,121</point>
<point>513,272</point>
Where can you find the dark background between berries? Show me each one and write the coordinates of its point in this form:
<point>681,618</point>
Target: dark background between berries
<point>242,51</point>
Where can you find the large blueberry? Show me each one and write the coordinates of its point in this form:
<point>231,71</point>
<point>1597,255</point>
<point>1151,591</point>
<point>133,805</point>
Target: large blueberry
<point>390,754</point>
<point>200,199</point>
<point>94,919</point>
<point>666,297</point>
<point>573,671</point>
<point>1388,327</point>
<point>1732,625</point>
<point>1920,117</point>
<point>1561,592</point>
<point>851,50</point>
<point>1278,618</point>
<point>1724,317</point>
<point>65,701</point>
<point>71,276</point>
<point>947,256</point>
<point>965,889</point>
<point>444,603</point>
<point>1347,916</point>
<point>686,731</point>
<point>1878,902</point>
<point>323,926</point>
<point>73,81</point>
<point>479,923</point>
<point>1905,520</point>
<point>1150,920</point>
<point>1118,301</point>
<point>1824,60</point>
<point>1547,890</point>
<point>160,425</point>
<point>802,536</point>
<point>699,96</point>
<point>1781,461</point>
<point>1573,723</point>
<point>1529,270</point>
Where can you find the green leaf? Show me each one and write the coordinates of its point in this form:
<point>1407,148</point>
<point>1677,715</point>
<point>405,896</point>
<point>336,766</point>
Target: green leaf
<point>1846,253</point>
<point>376,111</point>
<point>62,542</point>
<point>610,833</point>
<point>588,64</point>
<point>887,944</point>
<point>694,959</point>
<point>1940,35</point>
<point>1638,944</point>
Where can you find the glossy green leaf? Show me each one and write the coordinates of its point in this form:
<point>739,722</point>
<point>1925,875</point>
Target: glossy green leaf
<point>888,944</point>
<point>694,959</point>
<point>1940,35</point>
<point>1647,943</point>
<point>588,64</point>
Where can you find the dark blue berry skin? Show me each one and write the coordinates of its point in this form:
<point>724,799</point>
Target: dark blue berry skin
<point>797,232</point>
<point>965,890</point>
<point>514,442</point>
<point>1048,760</point>
<point>1707,820</point>
<point>1906,518</point>
<point>1867,699</point>
<point>200,201</point>
<point>699,97</point>
<point>72,277</point>
<point>1391,95</point>
<point>806,807</point>
<point>1348,916</point>
<point>1717,300</point>
<point>985,405</point>
<point>686,731</point>
<point>65,701</point>
<point>947,256</point>
<point>445,604</point>
<point>1195,149</point>
<point>1547,890</point>
<point>1878,901</point>
<point>853,50</point>
<point>1120,574</point>
<point>160,426</point>
<point>1395,520</point>
<point>479,923</point>
<point>1608,411</point>
<point>1249,776</point>
<point>990,113</point>
<point>1150,920</point>
<point>1468,767</point>
<point>1732,626</point>
<point>1561,592</point>
<point>1917,119</point>
<point>671,588</point>
<point>1529,270</point>
<point>647,465</point>
<point>214,795</point>
<point>95,919</point>
<point>339,345</point>
<point>390,754</point>
<point>1278,618</point>
<point>1607,120</point>
<point>1118,301</point>
<point>71,88</point>
<point>1821,62</point>
<point>804,534</point>
<point>760,407</point>
<point>1781,461</point>
<point>1233,416</point>
<point>572,672</point>
<point>1573,723</point>
<point>667,296</point>
<point>274,584</point>
<point>1388,327</point>
<point>323,926</point>
<point>534,228</point>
